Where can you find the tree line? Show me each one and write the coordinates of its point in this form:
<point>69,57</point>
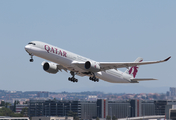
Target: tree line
<point>6,111</point>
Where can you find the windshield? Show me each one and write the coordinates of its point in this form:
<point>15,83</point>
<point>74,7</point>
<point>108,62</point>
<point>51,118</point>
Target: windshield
<point>31,43</point>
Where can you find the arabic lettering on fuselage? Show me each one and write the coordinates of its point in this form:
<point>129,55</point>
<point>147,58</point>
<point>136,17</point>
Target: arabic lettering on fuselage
<point>55,50</point>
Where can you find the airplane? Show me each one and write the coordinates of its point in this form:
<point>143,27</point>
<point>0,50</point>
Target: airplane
<point>81,66</point>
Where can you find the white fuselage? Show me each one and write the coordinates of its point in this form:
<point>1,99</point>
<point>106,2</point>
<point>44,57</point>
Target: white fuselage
<point>66,58</point>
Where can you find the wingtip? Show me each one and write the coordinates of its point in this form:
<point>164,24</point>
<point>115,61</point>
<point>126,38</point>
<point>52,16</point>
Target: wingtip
<point>167,58</point>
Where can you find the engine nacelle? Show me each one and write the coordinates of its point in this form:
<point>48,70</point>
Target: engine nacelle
<point>92,66</point>
<point>50,67</point>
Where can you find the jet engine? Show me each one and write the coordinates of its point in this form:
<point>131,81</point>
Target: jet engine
<point>92,66</point>
<point>50,67</point>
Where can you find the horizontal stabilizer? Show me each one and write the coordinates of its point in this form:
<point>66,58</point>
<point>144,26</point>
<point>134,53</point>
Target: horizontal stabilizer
<point>135,80</point>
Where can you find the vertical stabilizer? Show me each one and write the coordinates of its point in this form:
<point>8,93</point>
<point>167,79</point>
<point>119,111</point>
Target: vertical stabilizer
<point>134,69</point>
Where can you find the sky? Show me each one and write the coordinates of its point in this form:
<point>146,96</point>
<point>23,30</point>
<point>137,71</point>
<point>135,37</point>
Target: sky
<point>105,31</point>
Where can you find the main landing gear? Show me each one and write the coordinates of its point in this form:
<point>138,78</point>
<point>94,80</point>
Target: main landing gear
<point>31,60</point>
<point>73,79</point>
<point>94,78</point>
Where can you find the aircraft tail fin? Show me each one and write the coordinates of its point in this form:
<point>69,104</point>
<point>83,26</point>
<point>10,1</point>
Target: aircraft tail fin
<point>134,69</point>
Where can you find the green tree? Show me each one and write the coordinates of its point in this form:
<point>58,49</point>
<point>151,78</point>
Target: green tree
<point>76,118</point>
<point>17,102</point>
<point>24,112</point>
<point>26,102</point>
<point>7,104</point>
<point>14,107</point>
<point>108,118</point>
<point>73,114</point>
<point>7,112</point>
<point>114,118</point>
<point>16,115</point>
<point>2,103</point>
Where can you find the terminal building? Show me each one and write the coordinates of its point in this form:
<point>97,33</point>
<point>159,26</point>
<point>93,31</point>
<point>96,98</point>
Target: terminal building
<point>43,94</point>
<point>100,108</point>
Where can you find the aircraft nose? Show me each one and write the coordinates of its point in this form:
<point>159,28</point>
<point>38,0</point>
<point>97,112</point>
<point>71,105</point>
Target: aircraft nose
<point>27,48</point>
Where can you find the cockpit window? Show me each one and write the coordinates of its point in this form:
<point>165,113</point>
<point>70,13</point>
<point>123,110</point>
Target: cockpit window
<point>31,43</point>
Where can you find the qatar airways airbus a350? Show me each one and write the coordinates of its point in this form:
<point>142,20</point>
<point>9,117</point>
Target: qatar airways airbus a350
<point>81,66</point>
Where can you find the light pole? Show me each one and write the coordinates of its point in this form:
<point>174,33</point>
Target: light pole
<point>160,110</point>
<point>63,109</point>
<point>85,115</point>
<point>70,106</point>
<point>127,111</point>
<point>131,111</point>
<point>56,109</point>
<point>144,110</point>
<point>98,111</point>
<point>45,110</point>
<point>111,112</point>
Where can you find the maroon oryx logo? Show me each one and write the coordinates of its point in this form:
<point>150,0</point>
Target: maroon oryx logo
<point>133,70</point>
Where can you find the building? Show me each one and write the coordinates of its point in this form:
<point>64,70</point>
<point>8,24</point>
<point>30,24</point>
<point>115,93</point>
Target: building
<point>100,108</point>
<point>13,118</point>
<point>52,118</point>
<point>170,112</point>
<point>20,107</point>
<point>119,109</point>
<point>135,108</point>
<point>43,94</point>
<point>147,108</point>
<point>168,93</point>
<point>91,109</point>
<point>173,91</point>
<point>53,108</point>
<point>88,109</point>
<point>83,109</point>
<point>160,106</point>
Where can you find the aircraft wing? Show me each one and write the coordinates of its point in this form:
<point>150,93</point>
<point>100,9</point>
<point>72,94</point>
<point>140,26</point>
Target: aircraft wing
<point>60,67</point>
<point>114,65</point>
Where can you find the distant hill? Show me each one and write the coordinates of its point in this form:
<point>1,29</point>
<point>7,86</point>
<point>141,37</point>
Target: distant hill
<point>135,88</point>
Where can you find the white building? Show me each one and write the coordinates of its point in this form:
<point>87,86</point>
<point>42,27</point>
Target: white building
<point>13,118</point>
<point>20,107</point>
<point>52,118</point>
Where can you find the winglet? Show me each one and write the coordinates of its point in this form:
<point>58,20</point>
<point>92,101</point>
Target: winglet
<point>167,58</point>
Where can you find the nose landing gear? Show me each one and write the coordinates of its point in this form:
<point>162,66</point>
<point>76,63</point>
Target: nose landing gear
<point>31,60</point>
